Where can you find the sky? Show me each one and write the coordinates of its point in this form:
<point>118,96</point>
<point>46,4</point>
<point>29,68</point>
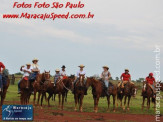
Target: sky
<point>122,34</point>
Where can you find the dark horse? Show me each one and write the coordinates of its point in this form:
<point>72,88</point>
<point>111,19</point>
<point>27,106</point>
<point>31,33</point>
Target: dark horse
<point>26,91</point>
<point>126,92</point>
<point>38,86</point>
<point>4,90</point>
<point>61,88</point>
<point>98,91</point>
<point>147,93</point>
<point>79,91</point>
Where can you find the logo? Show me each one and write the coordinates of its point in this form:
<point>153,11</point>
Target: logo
<point>17,112</point>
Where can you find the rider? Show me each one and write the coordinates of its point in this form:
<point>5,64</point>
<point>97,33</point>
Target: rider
<point>35,70</point>
<point>57,76</point>
<point>2,68</point>
<point>151,82</point>
<point>63,72</point>
<point>125,78</point>
<point>105,75</point>
<point>80,72</point>
<point>27,71</point>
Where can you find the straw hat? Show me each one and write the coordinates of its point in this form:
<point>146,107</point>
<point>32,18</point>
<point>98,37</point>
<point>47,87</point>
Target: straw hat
<point>28,64</point>
<point>106,67</point>
<point>81,66</point>
<point>57,70</point>
<point>126,69</point>
<point>35,59</point>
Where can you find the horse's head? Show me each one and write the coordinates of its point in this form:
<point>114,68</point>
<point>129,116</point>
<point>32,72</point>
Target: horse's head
<point>89,81</point>
<point>81,78</point>
<point>46,75</point>
<point>133,90</point>
<point>71,81</point>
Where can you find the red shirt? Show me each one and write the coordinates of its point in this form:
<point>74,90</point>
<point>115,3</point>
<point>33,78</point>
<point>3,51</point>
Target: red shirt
<point>125,76</point>
<point>150,80</point>
<point>1,66</point>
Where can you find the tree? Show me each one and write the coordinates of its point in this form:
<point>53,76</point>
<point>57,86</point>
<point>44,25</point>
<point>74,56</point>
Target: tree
<point>140,80</point>
<point>18,73</point>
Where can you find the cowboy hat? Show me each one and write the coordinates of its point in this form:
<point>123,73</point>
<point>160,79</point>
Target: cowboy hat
<point>126,69</point>
<point>106,67</point>
<point>28,64</point>
<point>35,59</point>
<point>57,70</point>
<point>81,66</point>
<point>63,66</point>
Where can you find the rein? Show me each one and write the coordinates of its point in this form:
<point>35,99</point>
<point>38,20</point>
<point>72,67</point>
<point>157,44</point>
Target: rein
<point>63,85</point>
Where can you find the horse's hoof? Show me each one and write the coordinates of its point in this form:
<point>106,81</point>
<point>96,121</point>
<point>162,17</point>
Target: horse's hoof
<point>96,111</point>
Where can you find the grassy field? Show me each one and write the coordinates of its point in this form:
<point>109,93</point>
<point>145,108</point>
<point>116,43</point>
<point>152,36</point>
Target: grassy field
<point>135,105</point>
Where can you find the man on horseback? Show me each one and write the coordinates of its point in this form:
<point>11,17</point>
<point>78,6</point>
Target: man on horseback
<point>105,75</point>
<point>63,72</point>
<point>57,76</point>
<point>80,72</point>
<point>35,70</point>
<point>27,71</point>
<point>151,82</point>
<point>2,68</point>
<point>125,78</point>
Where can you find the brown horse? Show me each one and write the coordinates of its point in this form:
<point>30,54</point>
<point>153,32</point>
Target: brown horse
<point>38,86</point>
<point>126,92</point>
<point>4,90</point>
<point>79,91</point>
<point>61,88</point>
<point>147,93</point>
<point>98,91</point>
<point>26,91</point>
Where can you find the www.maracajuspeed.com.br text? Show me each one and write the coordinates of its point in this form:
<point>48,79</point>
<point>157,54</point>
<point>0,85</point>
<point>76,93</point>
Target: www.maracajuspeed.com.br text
<point>45,16</point>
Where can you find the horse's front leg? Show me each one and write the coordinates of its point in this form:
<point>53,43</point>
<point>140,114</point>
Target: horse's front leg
<point>34,97</point>
<point>114,102</point>
<point>108,99</point>
<point>59,97</point>
<point>148,102</point>
<point>76,101</point>
<point>128,108</point>
<point>124,107</point>
<point>63,97</point>
<point>143,103</point>
<point>38,99</point>
<point>50,95</point>
<point>96,104</point>
<point>81,103</point>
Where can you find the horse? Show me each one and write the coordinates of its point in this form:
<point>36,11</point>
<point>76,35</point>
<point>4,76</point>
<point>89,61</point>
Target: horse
<point>98,91</point>
<point>4,90</point>
<point>38,86</point>
<point>128,91</point>
<point>147,93</point>
<point>26,91</point>
<point>79,91</point>
<point>61,88</point>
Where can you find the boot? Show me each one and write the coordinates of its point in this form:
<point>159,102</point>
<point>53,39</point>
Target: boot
<point>106,91</point>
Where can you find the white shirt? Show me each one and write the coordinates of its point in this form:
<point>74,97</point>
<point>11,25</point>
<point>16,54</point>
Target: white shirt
<point>63,73</point>
<point>80,72</point>
<point>34,66</point>
<point>25,72</point>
